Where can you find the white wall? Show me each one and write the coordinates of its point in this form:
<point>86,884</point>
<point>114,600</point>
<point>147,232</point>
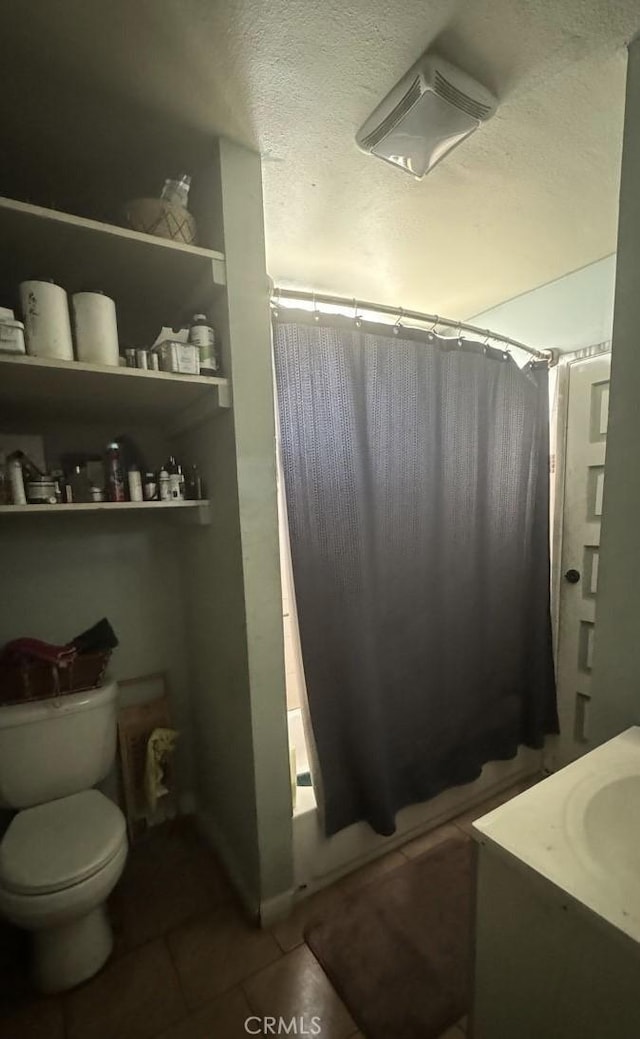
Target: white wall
<point>616,676</point>
<point>567,314</point>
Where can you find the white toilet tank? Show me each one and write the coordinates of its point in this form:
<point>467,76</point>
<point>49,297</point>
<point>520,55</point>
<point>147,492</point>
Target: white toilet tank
<point>53,748</point>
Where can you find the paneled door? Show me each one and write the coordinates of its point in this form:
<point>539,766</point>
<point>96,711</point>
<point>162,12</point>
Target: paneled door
<point>588,405</point>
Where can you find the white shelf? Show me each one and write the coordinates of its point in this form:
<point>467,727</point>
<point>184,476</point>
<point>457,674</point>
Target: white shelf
<point>36,387</point>
<point>52,233</point>
<point>199,510</point>
<point>161,279</point>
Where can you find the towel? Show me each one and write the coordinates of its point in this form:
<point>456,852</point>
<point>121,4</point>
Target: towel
<point>160,746</point>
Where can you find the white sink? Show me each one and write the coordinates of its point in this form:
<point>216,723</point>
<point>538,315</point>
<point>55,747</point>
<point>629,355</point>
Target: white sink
<point>612,828</point>
<point>580,830</point>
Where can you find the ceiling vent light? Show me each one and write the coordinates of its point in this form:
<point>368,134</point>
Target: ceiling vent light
<point>431,110</point>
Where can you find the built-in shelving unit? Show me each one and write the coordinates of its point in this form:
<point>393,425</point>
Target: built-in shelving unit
<point>38,387</point>
<point>201,605</point>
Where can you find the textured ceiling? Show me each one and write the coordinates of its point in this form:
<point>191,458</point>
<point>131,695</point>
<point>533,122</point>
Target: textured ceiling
<point>529,197</point>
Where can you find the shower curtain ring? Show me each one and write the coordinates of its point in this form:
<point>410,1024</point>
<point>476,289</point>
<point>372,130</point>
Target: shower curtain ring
<point>356,316</point>
<point>398,325</point>
<point>316,312</point>
<point>432,331</point>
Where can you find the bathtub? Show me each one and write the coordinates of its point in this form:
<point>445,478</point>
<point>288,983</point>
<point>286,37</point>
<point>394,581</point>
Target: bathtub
<point>319,860</point>
<point>305,798</point>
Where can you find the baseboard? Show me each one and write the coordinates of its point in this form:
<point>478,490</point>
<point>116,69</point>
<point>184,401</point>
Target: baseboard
<point>277,908</point>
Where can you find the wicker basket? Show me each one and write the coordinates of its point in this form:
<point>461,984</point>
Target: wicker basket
<point>161,218</point>
<point>20,683</point>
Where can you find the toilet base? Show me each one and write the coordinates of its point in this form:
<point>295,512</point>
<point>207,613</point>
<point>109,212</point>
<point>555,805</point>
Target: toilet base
<point>65,956</point>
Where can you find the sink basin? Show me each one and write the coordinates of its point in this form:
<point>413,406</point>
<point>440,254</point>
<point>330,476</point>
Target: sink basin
<point>612,828</point>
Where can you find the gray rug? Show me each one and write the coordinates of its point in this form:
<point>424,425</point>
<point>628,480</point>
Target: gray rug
<point>399,952</point>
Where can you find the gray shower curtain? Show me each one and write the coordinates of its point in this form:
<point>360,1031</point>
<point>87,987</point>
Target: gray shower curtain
<point>416,475</point>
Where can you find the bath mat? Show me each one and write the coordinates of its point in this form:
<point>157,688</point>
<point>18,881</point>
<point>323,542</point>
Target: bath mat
<point>399,952</point>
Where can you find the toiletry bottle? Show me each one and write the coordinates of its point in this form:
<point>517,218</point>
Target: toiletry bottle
<point>150,487</point>
<point>182,493</point>
<point>80,484</point>
<point>176,478</point>
<point>5,485</point>
<point>135,483</point>
<point>115,474</point>
<point>163,485</point>
<point>57,476</point>
<point>16,480</point>
<point>194,484</point>
<point>202,335</point>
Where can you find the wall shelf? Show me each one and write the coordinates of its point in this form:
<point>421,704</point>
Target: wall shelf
<point>198,511</point>
<point>153,281</point>
<point>36,387</point>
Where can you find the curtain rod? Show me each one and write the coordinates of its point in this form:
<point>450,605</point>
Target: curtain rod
<point>410,315</point>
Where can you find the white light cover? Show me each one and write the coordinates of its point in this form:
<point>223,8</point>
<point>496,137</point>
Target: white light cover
<point>430,129</point>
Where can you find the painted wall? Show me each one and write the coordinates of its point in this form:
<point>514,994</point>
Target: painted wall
<point>616,676</point>
<point>254,423</point>
<point>244,794</point>
<point>66,572</point>
<point>567,314</point>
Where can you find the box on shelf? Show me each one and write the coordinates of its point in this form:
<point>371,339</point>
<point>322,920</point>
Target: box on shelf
<point>11,333</point>
<point>175,356</point>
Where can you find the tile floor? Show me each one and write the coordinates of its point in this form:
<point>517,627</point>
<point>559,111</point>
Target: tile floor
<point>186,964</point>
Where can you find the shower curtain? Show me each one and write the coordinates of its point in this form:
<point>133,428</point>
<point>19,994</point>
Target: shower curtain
<point>417,483</point>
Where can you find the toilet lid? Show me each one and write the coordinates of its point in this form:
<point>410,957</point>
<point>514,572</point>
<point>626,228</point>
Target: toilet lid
<point>55,845</point>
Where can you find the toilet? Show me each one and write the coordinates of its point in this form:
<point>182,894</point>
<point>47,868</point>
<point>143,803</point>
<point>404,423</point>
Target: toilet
<point>65,849</point>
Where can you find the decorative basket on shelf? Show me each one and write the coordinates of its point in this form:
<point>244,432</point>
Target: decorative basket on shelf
<point>20,683</point>
<point>164,219</point>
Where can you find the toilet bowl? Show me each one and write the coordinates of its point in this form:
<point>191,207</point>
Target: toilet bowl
<point>66,847</point>
<point>58,864</point>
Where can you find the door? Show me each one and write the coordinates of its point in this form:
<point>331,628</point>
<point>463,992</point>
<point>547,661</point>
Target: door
<point>588,405</point>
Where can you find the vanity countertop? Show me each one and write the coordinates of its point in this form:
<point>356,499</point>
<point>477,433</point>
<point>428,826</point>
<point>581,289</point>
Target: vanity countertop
<point>580,830</point>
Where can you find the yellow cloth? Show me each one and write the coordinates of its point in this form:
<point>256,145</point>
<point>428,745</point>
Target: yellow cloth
<point>160,745</point>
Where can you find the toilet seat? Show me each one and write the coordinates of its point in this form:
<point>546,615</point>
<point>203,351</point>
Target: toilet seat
<point>54,846</point>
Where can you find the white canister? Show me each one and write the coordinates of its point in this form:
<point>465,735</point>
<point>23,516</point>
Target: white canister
<point>96,328</point>
<point>46,320</point>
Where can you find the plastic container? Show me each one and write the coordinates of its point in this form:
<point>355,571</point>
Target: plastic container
<point>42,490</point>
